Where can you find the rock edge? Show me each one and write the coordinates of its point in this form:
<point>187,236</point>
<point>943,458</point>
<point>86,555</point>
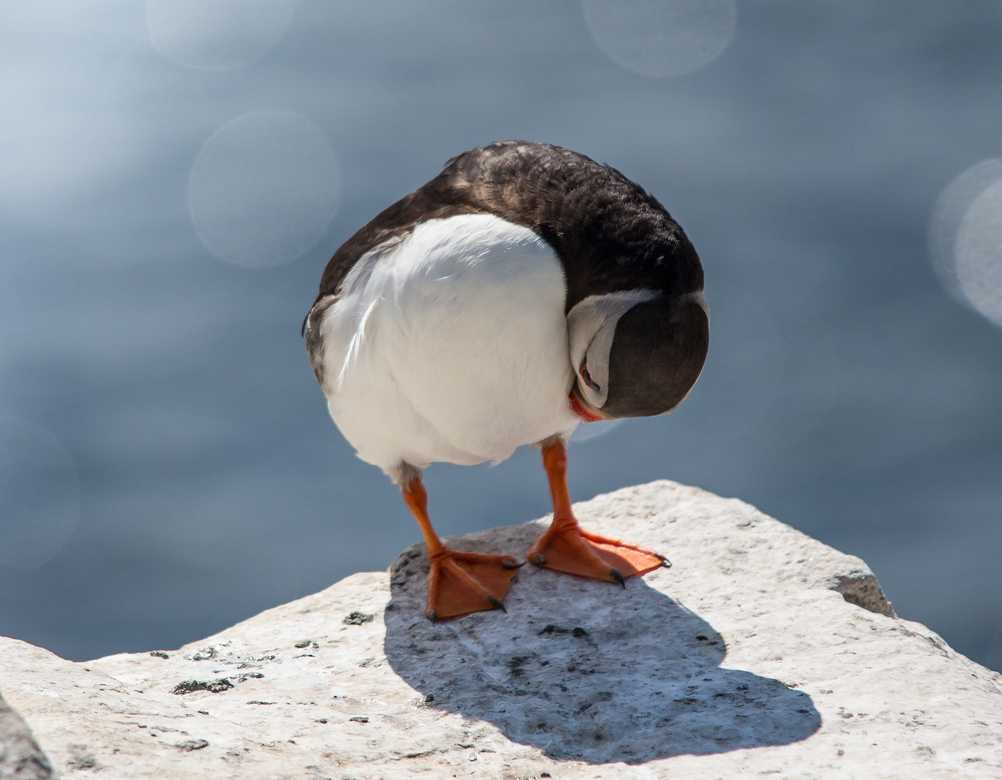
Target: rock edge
<point>762,651</point>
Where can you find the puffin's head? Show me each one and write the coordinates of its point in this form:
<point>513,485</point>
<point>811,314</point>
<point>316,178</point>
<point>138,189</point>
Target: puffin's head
<point>635,353</point>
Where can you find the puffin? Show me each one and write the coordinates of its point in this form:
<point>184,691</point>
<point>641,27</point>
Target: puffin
<point>524,290</point>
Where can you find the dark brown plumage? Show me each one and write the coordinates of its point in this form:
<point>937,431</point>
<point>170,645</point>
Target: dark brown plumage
<point>607,231</point>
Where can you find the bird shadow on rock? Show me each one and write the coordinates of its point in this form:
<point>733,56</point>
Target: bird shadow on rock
<point>585,670</point>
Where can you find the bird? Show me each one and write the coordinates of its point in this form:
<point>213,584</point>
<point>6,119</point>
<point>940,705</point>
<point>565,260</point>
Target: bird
<point>524,290</point>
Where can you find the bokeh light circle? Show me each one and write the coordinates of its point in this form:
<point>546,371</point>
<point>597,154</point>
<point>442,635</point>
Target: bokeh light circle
<point>217,34</point>
<point>661,38</point>
<point>39,495</point>
<point>263,189</point>
<point>966,238</point>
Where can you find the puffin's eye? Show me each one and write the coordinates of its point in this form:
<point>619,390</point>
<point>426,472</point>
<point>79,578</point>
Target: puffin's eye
<point>587,377</point>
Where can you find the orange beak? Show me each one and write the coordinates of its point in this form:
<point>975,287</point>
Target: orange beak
<point>582,409</point>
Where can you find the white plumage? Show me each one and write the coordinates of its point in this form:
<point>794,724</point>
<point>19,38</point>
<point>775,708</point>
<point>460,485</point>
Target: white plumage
<point>449,345</point>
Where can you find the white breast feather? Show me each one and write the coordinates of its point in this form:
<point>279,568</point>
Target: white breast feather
<point>450,345</point>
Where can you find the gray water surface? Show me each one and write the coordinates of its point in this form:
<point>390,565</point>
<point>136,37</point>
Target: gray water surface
<point>173,184</point>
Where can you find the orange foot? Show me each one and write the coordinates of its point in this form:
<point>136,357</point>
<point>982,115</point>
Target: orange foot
<point>460,583</point>
<point>568,548</point>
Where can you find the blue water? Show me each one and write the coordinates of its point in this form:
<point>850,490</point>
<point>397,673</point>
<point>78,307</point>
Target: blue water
<point>166,463</point>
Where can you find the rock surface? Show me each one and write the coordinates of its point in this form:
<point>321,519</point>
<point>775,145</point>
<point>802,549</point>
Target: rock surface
<point>20,756</point>
<point>761,652</point>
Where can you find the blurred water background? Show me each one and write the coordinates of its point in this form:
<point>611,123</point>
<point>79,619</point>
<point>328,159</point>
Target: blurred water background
<point>174,175</point>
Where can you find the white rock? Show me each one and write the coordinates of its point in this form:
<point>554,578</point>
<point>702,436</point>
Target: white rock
<point>743,659</point>
<point>20,756</point>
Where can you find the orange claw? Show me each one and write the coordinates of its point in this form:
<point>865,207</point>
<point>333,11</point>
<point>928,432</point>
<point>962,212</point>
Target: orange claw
<point>568,548</point>
<point>459,583</point>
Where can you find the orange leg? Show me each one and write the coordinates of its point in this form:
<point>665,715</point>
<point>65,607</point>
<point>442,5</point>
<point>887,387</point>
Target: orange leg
<point>568,548</point>
<point>459,583</point>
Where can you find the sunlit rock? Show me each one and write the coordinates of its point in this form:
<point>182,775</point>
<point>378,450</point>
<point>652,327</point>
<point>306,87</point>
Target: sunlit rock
<point>20,756</point>
<point>761,652</point>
